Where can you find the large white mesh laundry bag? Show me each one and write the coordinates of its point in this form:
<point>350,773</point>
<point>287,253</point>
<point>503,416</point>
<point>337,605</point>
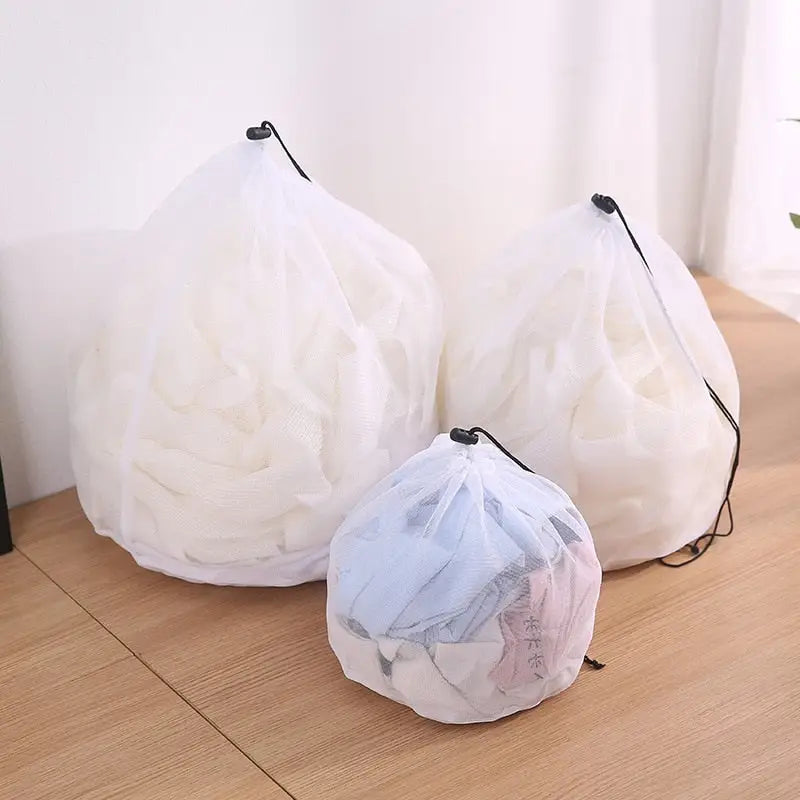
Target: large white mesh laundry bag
<point>462,585</point>
<point>275,354</point>
<point>592,365</point>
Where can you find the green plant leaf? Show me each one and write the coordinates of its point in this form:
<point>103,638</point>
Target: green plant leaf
<point>795,218</point>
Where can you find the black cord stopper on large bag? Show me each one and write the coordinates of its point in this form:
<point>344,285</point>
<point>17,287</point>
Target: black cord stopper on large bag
<point>609,206</point>
<point>264,131</point>
<point>255,134</point>
<point>604,203</point>
<point>463,436</point>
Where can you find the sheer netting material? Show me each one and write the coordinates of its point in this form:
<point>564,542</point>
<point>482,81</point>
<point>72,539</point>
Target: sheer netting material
<point>462,586</point>
<point>274,356</point>
<point>591,370</point>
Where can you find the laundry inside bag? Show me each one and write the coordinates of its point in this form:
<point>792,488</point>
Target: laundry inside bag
<point>463,586</point>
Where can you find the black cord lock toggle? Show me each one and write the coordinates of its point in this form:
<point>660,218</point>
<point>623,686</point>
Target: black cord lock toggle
<point>604,203</point>
<point>263,131</point>
<point>463,436</point>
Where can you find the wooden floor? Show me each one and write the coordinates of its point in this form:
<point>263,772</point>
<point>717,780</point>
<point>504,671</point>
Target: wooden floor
<point>120,683</point>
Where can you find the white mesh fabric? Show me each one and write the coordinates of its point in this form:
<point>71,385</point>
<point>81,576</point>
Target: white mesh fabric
<point>584,378</point>
<point>275,355</point>
<point>462,586</point>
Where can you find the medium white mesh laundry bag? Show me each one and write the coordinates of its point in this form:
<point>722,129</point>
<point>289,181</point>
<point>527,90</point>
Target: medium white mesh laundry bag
<point>592,365</point>
<point>275,354</point>
<point>462,585</point>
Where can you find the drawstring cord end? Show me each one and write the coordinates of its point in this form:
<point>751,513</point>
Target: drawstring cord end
<point>593,663</point>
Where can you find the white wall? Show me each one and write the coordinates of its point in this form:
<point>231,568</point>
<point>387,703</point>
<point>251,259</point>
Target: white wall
<point>453,122</point>
<point>754,175</point>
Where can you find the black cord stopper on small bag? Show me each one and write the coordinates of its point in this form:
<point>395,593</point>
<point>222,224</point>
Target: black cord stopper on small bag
<point>463,436</point>
<point>593,663</point>
<point>264,131</point>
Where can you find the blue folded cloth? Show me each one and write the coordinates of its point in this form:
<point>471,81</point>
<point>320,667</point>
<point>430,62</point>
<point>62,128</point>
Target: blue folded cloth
<point>433,566</point>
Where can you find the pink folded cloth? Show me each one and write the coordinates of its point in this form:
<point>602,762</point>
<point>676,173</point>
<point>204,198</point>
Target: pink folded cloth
<point>537,626</point>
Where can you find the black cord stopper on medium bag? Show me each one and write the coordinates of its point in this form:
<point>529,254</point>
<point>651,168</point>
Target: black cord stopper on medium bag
<point>264,131</point>
<point>609,206</point>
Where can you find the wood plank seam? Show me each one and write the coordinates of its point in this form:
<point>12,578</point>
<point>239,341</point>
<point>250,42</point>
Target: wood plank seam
<point>160,677</point>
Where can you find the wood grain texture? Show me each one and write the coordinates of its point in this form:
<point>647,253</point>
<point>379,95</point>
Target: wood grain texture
<point>700,699</point>
<point>45,638</point>
<point>80,717</point>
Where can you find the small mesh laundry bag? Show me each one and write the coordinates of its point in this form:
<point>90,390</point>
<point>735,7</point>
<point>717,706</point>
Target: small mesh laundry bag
<point>462,585</point>
<point>596,366</point>
<point>274,355</point>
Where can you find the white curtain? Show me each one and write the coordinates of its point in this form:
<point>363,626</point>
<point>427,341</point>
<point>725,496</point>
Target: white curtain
<point>753,178</point>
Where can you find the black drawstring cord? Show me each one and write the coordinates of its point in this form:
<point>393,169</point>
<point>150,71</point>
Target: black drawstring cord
<point>264,131</point>
<point>463,436</point>
<point>713,533</point>
<point>609,206</point>
<point>471,437</point>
